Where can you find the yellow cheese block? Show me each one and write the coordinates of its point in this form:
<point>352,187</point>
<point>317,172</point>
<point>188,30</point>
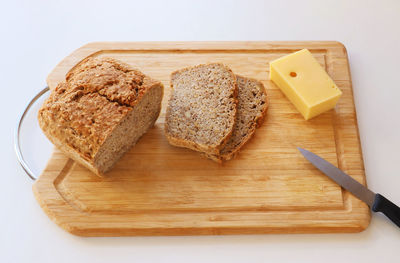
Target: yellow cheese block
<point>307,85</point>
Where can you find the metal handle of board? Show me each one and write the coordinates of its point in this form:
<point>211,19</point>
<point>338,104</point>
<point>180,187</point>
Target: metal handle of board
<point>17,145</point>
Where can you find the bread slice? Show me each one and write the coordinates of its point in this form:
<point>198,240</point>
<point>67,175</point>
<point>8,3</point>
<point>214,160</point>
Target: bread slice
<point>202,108</point>
<point>100,112</point>
<point>252,108</point>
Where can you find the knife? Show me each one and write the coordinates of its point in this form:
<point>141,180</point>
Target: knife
<point>377,202</point>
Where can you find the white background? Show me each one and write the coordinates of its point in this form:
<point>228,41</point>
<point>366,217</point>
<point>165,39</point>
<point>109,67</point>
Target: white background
<point>36,35</point>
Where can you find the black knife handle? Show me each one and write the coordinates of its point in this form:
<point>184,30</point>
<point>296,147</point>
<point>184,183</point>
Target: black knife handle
<point>392,211</point>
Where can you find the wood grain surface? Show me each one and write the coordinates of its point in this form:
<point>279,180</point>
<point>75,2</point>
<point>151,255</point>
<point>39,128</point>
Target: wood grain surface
<point>158,189</point>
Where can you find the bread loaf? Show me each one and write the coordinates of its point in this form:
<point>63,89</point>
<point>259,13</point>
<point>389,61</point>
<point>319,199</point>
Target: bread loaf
<point>100,111</point>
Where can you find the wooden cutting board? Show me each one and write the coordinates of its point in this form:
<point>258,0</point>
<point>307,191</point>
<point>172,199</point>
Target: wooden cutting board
<point>158,189</point>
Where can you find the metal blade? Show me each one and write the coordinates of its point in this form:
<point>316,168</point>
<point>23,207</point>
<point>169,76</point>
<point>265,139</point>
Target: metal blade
<point>341,178</point>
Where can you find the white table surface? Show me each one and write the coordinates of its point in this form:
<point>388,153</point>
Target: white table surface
<point>36,35</point>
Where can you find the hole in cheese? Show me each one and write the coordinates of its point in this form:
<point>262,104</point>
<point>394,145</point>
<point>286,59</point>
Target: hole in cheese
<point>293,74</point>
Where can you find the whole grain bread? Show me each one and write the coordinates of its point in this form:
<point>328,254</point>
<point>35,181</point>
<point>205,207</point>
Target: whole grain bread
<point>252,108</point>
<point>202,108</point>
<point>100,111</point>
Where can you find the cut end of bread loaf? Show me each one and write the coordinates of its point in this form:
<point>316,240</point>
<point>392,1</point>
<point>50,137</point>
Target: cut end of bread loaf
<point>100,111</point>
<point>125,135</point>
<point>252,108</point>
<point>202,108</point>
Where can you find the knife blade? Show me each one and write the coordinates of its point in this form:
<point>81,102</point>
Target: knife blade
<point>377,202</point>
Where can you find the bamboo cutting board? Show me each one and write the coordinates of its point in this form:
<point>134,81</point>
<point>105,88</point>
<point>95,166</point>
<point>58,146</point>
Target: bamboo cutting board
<point>158,189</point>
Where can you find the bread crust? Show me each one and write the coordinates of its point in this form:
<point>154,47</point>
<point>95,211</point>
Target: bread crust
<point>208,149</point>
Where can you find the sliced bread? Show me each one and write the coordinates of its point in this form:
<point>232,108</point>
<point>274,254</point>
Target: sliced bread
<point>252,107</point>
<point>202,108</point>
<point>100,111</point>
